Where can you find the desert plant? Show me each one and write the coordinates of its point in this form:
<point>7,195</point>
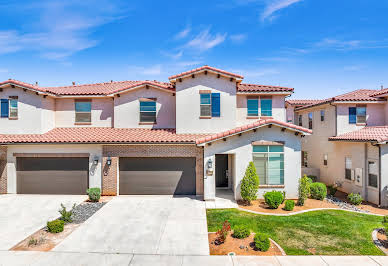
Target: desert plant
<point>66,215</point>
<point>331,189</point>
<point>303,190</point>
<point>289,205</point>
<point>249,184</point>
<point>240,231</point>
<point>55,226</point>
<point>94,194</point>
<point>318,191</point>
<point>223,233</point>
<point>273,199</point>
<point>355,198</point>
<point>261,241</point>
<point>32,242</point>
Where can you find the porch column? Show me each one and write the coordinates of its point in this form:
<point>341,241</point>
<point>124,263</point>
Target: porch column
<point>209,178</point>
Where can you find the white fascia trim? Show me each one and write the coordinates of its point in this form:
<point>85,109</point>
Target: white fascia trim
<point>208,70</point>
<point>138,87</point>
<point>264,93</point>
<point>27,88</point>
<point>358,102</point>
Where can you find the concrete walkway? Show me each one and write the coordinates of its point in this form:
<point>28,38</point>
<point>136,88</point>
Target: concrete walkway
<point>8,258</point>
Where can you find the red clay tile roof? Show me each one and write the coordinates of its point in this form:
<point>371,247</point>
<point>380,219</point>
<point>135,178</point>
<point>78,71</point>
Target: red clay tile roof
<point>377,133</point>
<point>102,135</point>
<point>257,124</point>
<point>22,84</point>
<point>203,68</point>
<point>261,88</point>
<point>302,102</point>
<point>380,92</point>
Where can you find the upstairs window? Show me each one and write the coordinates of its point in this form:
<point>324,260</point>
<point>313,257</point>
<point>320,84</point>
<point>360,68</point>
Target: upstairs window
<point>210,105</point>
<point>13,108</point>
<point>357,115</point>
<point>304,159</point>
<point>148,110</point>
<point>300,120</point>
<point>266,106</point>
<point>253,106</point>
<point>322,115</point>
<point>269,163</point>
<point>83,111</point>
<point>9,107</point>
<point>325,159</point>
<point>348,168</point>
<point>310,115</point>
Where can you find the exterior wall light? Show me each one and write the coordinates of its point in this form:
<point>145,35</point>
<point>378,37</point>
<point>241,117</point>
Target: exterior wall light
<point>109,161</point>
<point>210,164</point>
<point>95,161</point>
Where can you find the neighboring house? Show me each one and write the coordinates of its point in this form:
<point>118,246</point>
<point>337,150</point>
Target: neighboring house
<point>196,133</point>
<point>348,146</point>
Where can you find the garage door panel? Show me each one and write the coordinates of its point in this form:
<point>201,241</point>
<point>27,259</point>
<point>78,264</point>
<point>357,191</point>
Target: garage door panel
<point>158,176</point>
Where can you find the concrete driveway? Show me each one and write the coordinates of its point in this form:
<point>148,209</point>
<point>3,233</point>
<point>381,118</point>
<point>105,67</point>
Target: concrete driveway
<point>143,225</point>
<point>22,215</point>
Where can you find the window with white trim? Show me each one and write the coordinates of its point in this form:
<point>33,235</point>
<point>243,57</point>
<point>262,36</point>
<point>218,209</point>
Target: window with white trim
<point>322,115</point>
<point>325,159</point>
<point>269,163</point>
<point>300,120</point>
<point>348,168</point>
<point>83,111</point>
<point>310,117</point>
<point>373,172</point>
<point>147,110</point>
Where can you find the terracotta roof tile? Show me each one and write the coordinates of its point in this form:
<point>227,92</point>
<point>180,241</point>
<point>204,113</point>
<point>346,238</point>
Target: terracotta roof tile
<point>199,69</point>
<point>357,95</point>
<point>302,102</point>
<point>380,92</point>
<point>257,124</point>
<point>102,135</point>
<point>243,87</point>
<point>377,133</point>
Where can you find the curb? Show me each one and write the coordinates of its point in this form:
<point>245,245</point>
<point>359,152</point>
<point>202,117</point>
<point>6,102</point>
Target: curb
<point>377,242</point>
<point>279,247</point>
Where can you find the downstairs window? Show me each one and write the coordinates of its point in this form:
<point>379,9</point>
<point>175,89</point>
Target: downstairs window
<point>269,163</point>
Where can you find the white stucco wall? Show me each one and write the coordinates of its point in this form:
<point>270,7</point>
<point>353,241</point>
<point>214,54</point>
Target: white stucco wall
<point>127,108</point>
<point>94,150</point>
<point>384,174</point>
<point>278,109</point>
<point>241,148</point>
<point>188,104</point>
<point>102,112</point>
<point>48,114</point>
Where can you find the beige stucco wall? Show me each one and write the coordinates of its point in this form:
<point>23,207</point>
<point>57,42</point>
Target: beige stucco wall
<point>94,150</point>
<point>386,113</point>
<point>241,148</point>
<point>188,104</point>
<point>290,114</point>
<point>102,112</point>
<point>127,108</point>
<point>48,114</point>
<point>278,109</point>
<point>384,174</point>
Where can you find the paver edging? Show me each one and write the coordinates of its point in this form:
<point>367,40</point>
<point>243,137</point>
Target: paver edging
<point>377,242</point>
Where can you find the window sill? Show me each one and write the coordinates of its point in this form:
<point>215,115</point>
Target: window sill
<point>205,117</point>
<point>147,123</point>
<point>360,124</point>
<point>266,117</point>
<point>271,186</point>
<point>82,123</point>
<point>13,118</point>
<point>252,117</point>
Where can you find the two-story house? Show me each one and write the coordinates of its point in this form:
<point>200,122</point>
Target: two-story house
<point>348,146</point>
<point>189,136</point>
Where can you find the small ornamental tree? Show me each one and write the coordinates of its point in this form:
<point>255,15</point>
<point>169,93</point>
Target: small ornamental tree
<point>250,184</point>
<point>304,189</point>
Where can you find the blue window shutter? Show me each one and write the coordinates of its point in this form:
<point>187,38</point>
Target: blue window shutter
<point>216,105</point>
<point>4,107</point>
<point>352,115</point>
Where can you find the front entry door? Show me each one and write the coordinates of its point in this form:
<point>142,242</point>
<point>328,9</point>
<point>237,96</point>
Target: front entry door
<point>221,170</point>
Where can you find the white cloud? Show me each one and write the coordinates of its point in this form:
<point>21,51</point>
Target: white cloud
<point>353,68</point>
<point>183,34</point>
<point>238,38</point>
<point>339,44</point>
<point>205,40</point>
<point>254,73</point>
<point>274,6</point>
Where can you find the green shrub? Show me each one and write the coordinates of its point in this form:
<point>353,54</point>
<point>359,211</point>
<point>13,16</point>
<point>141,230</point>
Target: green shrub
<point>289,205</point>
<point>273,199</point>
<point>55,226</point>
<point>313,178</point>
<point>355,198</point>
<point>240,231</point>
<point>303,190</point>
<point>94,194</point>
<point>250,184</point>
<point>284,196</point>
<point>66,215</point>
<point>262,242</point>
<point>331,190</point>
<point>318,191</point>
<point>385,224</point>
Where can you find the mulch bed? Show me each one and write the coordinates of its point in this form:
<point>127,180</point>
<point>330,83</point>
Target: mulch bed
<point>382,237</point>
<point>240,247</point>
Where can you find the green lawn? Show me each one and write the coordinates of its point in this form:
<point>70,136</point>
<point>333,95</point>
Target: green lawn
<point>329,232</point>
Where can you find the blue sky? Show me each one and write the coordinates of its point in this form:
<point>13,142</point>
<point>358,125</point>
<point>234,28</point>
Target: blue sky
<point>320,47</point>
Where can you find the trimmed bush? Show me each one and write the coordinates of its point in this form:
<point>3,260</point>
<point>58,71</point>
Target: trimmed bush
<point>385,224</point>
<point>313,178</point>
<point>331,189</point>
<point>318,191</point>
<point>66,215</point>
<point>355,198</point>
<point>262,241</point>
<point>241,232</point>
<point>94,194</point>
<point>273,199</point>
<point>289,205</point>
<point>55,226</point>
<point>303,190</point>
<point>250,184</point>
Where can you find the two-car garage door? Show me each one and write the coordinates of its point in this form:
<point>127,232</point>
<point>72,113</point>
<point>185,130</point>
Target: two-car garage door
<point>52,175</point>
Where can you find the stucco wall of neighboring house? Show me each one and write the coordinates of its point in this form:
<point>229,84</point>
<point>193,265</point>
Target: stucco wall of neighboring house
<point>374,117</point>
<point>29,113</point>
<point>290,114</point>
<point>48,114</point>
<point>386,113</point>
<point>384,174</point>
<point>102,112</point>
<point>95,152</point>
<point>127,108</point>
<point>278,109</point>
<point>188,104</point>
<point>3,169</point>
<point>241,148</point>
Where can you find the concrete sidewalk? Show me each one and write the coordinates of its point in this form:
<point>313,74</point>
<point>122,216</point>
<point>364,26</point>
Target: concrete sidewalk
<point>73,258</point>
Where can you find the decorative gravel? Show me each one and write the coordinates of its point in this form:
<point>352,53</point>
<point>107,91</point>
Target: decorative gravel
<point>343,205</point>
<point>84,210</point>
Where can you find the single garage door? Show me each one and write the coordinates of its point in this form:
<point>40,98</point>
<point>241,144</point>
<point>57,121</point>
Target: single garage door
<point>157,176</point>
<point>52,175</point>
